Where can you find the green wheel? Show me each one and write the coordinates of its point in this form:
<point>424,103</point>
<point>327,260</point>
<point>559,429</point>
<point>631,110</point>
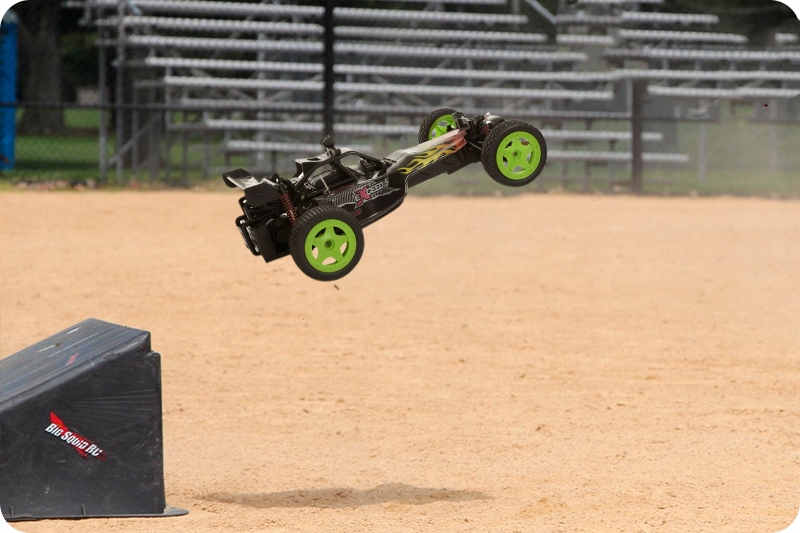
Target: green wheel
<point>436,124</point>
<point>326,242</point>
<point>514,153</point>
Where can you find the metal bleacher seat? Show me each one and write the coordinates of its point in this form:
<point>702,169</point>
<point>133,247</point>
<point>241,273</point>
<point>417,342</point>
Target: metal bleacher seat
<point>228,45</point>
<point>292,147</point>
<point>738,92</point>
<point>709,75</point>
<point>382,70</point>
<point>383,88</point>
<point>626,18</point>
<point>406,16</point>
<point>585,39</point>
<point>739,56</point>
<point>361,48</point>
<point>298,28</point>
<point>197,7</point>
<point>245,69</point>
<point>614,157</point>
<point>787,38</point>
<point>232,64</point>
<point>670,37</point>
<point>415,34</point>
<point>400,129</point>
<point>212,25</point>
<point>648,17</point>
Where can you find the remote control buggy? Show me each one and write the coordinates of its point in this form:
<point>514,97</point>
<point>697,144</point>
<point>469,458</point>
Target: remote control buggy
<point>318,214</point>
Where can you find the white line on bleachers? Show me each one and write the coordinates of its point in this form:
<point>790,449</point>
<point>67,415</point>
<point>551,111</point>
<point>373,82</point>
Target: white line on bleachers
<point>216,8</point>
<point>739,92</point>
<point>709,75</point>
<point>340,13</point>
<point>639,17</point>
<point>451,53</point>
<point>577,155</point>
<point>407,110</point>
<point>701,55</point>
<point>384,88</point>
<point>298,28</point>
<point>262,146</point>
<point>380,70</point>
<point>199,43</point>
<point>405,16</point>
<point>668,18</point>
<point>787,38</point>
<point>405,129</point>
<point>682,36</point>
<point>234,64</point>
<point>581,39</point>
<point>439,35</point>
<point>201,24</point>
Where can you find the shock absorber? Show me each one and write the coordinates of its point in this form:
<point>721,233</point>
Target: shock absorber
<point>288,207</point>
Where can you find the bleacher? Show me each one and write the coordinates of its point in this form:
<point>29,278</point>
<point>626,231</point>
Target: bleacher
<point>244,61</point>
<point>681,59</point>
<point>250,75</point>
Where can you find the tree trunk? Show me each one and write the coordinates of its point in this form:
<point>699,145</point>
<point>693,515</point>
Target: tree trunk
<point>39,50</point>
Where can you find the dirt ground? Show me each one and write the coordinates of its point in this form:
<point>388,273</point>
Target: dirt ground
<point>541,363</point>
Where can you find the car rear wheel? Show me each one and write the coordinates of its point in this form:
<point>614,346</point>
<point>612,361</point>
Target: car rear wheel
<point>436,124</point>
<point>326,242</point>
<point>514,153</point>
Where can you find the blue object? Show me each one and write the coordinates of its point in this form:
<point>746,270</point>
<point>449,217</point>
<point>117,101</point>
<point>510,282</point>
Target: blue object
<point>8,88</point>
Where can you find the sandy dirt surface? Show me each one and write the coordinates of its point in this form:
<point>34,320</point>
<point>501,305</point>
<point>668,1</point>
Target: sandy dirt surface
<point>545,363</point>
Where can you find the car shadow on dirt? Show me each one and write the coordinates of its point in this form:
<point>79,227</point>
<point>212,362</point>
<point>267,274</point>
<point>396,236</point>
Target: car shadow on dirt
<point>338,497</point>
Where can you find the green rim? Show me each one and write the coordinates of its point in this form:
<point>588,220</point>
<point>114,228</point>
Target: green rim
<point>518,155</point>
<point>327,239</point>
<point>440,126</point>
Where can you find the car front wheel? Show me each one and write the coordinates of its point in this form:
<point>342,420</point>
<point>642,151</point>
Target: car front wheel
<point>326,242</point>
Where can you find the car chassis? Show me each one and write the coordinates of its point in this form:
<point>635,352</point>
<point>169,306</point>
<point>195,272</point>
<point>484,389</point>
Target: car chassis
<point>353,196</point>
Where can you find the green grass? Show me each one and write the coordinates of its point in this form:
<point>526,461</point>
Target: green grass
<point>55,158</point>
<point>82,118</point>
<point>738,162</point>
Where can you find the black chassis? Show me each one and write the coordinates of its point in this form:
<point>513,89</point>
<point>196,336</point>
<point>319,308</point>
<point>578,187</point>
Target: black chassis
<point>369,190</point>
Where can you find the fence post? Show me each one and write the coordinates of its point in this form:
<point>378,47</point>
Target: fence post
<point>120,86</point>
<point>103,75</point>
<point>701,153</point>
<point>328,59</point>
<point>637,118</point>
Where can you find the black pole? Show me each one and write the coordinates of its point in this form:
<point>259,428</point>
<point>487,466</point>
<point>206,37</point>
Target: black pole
<point>328,60</point>
<point>637,104</point>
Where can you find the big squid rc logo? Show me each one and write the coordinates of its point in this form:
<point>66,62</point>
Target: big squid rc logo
<point>85,447</point>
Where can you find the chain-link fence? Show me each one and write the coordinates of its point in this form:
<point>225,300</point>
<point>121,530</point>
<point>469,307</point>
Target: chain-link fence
<point>63,112</point>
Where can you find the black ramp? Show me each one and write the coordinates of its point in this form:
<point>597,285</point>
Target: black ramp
<point>80,426</point>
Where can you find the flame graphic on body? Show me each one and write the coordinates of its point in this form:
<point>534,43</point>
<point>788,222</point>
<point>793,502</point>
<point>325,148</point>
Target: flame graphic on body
<point>426,157</point>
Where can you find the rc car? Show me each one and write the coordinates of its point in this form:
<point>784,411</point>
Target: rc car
<point>318,214</point>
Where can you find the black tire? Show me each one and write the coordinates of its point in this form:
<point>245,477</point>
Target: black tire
<point>528,168</point>
<point>338,222</point>
<point>428,122</point>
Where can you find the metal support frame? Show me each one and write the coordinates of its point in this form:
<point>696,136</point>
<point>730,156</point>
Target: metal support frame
<point>701,153</point>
